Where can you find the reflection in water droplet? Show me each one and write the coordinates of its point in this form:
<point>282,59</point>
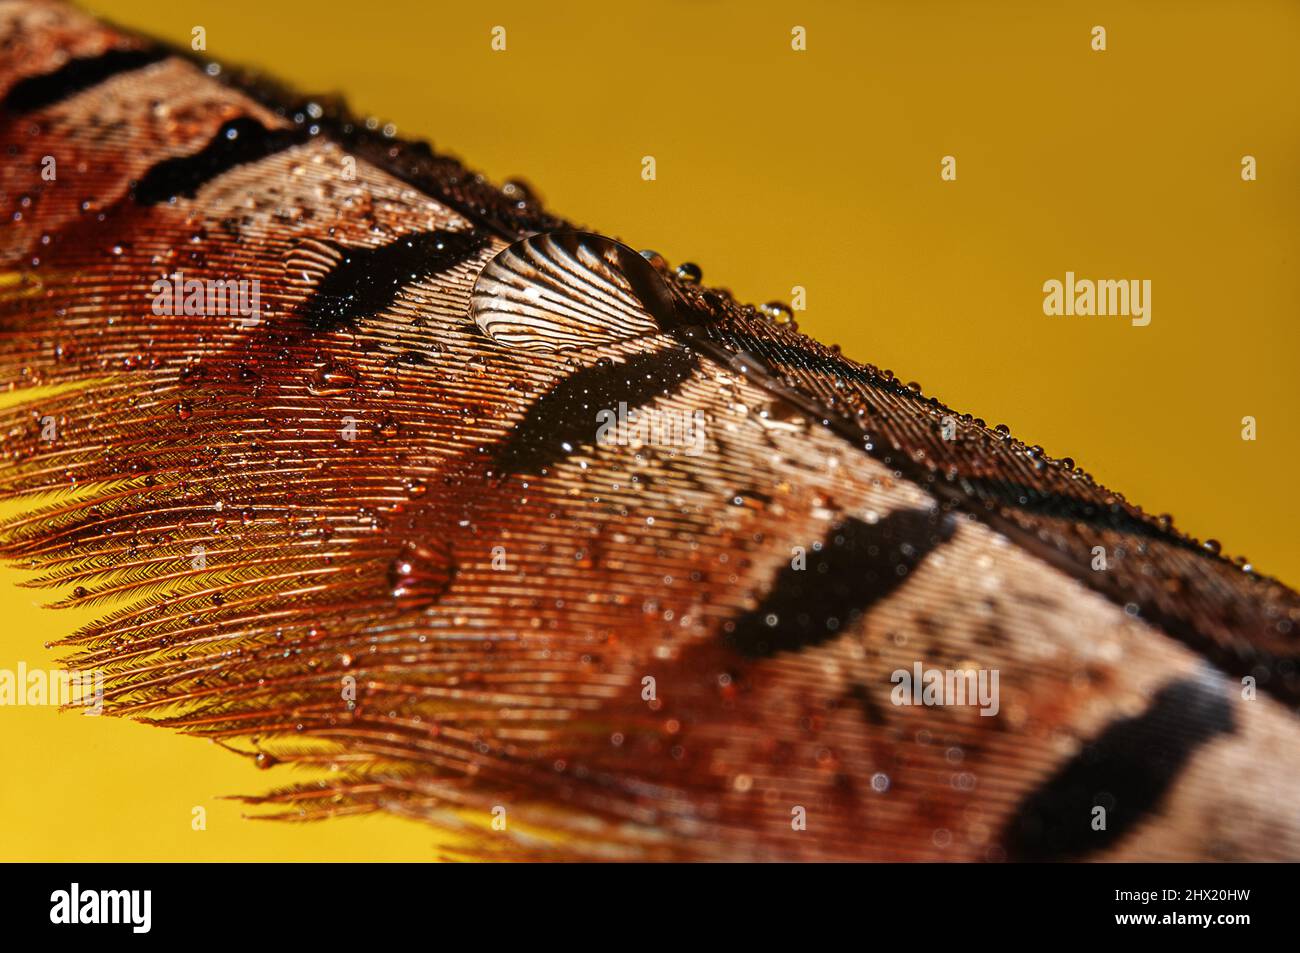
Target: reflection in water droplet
<point>420,574</point>
<point>564,290</point>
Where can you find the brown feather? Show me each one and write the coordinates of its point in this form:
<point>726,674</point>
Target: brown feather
<point>365,489</point>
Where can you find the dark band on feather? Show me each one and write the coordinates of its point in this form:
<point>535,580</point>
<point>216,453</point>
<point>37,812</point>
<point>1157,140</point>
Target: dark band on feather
<point>1127,770</point>
<point>980,498</point>
<point>566,415</point>
<point>75,76</point>
<point>237,142</point>
<point>367,280</point>
<point>859,564</point>
<point>872,713</point>
<point>1064,506</point>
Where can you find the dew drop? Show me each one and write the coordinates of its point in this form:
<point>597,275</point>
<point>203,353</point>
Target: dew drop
<point>562,290</point>
<point>520,192</point>
<point>420,574</point>
<point>332,378</point>
<point>779,312</point>
<point>656,260</point>
<point>689,272</point>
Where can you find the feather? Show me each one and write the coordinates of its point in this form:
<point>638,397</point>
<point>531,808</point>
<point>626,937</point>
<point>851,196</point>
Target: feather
<point>371,465</point>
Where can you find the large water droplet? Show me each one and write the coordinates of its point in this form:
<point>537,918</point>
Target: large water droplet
<point>565,290</point>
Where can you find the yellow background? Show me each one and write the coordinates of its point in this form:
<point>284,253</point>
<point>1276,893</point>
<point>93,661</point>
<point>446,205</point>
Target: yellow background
<point>820,169</point>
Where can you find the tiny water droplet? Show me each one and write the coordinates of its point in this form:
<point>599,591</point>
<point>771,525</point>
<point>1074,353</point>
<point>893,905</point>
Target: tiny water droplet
<point>520,192</point>
<point>778,311</point>
<point>332,378</point>
<point>420,574</point>
<point>689,272</point>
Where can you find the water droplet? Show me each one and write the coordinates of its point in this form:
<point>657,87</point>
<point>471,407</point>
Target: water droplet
<point>779,312</point>
<point>332,378</point>
<point>420,574</point>
<point>563,290</point>
<point>520,192</point>
<point>689,272</point>
<point>656,260</point>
